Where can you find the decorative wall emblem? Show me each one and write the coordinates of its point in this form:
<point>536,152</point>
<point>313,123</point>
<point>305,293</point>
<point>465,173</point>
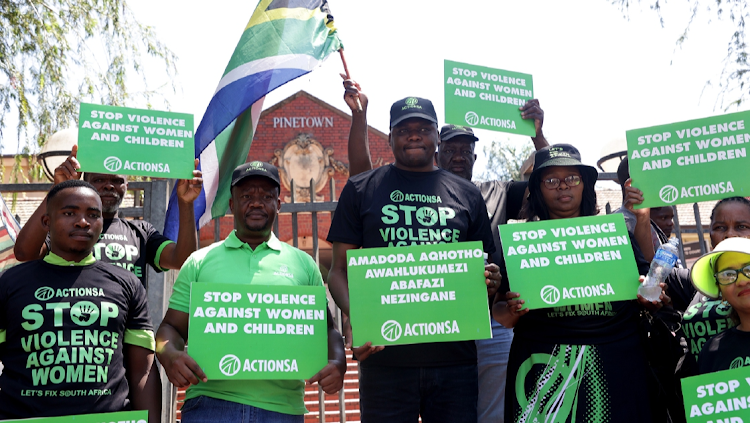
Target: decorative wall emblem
<point>304,159</point>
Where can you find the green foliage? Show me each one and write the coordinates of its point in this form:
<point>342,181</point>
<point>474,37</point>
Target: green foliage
<point>504,160</point>
<point>55,54</point>
<point>734,80</point>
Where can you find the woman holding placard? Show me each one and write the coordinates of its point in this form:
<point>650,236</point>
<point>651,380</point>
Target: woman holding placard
<point>725,274</point>
<point>574,363</point>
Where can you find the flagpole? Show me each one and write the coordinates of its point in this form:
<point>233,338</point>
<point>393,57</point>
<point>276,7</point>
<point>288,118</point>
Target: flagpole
<point>346,71</point>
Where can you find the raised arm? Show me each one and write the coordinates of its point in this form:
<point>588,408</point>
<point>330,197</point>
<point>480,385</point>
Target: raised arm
<point>30,243</point>
<point>144,381</point>
<point>532,110</point>
<point>175,254</point>
<point>359,146</point>
<point>642,232</point>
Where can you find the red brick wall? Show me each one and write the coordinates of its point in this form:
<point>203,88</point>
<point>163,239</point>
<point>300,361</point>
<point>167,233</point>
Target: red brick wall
<point>267,139</point>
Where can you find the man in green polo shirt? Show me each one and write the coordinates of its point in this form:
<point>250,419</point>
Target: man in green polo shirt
<point>250,255</point>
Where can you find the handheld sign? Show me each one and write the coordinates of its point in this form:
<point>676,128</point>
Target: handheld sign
<point>135,142</point>
<point>487,98</point>
<point>418,294</point>
<point>122,416</point>
<point>560,262</point>
<point>718,397</point>
<point>258,331</point>
<point>692,161</point>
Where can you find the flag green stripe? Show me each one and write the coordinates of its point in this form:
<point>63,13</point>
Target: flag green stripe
<point>232,153</point>
<point>264,40</point>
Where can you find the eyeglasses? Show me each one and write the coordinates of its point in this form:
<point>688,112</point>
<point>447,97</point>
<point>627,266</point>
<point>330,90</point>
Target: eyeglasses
<point>729,276</point>
<point>570,181</point>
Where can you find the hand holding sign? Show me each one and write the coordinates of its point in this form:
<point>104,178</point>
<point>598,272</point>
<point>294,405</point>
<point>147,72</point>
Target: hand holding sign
<point>494,278</point>
<point>532,110</point>
<point>188,190</point>
<point>69,168</point>
<point>181,369</point>
<point>329,378</point>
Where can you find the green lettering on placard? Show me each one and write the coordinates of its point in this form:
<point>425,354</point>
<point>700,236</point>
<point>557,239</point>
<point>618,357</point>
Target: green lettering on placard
<point>692,161</point>
<point>122,416</point>
<point>487,98</point>
<point>546,260</point>
<point>718,397</point>
<point>127,141</point>
<point>418,294</point>
<point>258,331</point>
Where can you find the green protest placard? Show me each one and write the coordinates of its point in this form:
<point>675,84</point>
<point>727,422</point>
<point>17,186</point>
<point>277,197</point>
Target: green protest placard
<point>418,294</point>
<point>135,142</point>
<point>487,98</point>
<point>692,161</point>
<point>718,397</point>
<point>561,262</point>
<point>119,417</point>
<point>258,331</point>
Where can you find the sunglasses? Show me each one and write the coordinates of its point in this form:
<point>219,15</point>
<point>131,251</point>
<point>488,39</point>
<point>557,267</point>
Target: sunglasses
<point>729,276</point>
<point>570,181</point>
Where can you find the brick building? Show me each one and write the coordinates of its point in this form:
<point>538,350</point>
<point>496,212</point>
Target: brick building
<point>306,138</point>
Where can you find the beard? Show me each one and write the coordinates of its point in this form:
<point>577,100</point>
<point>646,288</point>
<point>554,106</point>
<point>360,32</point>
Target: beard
<point>111,208</point>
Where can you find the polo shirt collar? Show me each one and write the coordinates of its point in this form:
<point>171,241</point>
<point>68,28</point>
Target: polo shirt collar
<point>233,242</point>
<point>53,258</point>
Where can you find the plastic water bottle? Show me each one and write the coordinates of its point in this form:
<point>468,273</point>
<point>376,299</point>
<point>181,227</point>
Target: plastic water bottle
<point>664,260</point>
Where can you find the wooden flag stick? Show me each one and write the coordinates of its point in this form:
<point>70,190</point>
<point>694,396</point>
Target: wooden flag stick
<point>346,71</point>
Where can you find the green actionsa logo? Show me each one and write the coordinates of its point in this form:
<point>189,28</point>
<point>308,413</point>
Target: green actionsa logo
<point>229,365</point>
<point>550,294</point>
<point>397,196</point>
<point>411,101</point>
<point>112,164</point>
<point>44,293</point>
<point>471,118</point>
<point>391,330</point>
<point>256,165</point>
<point>737,363</point>
<point>668,194</point>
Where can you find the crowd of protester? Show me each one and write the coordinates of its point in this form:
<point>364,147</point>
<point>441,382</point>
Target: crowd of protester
<point>71,321</point>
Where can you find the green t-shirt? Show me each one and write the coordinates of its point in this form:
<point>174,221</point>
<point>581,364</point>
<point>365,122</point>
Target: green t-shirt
<point>233,261</point>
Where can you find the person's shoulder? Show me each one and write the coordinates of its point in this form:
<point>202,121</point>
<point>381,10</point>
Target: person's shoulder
<point>295,252</point>
<point>456,180</point>
<point>493,185</point>
<point>116,274</point>
<point>371,175</point>
<point>13,273</point>
<point>202,253</point>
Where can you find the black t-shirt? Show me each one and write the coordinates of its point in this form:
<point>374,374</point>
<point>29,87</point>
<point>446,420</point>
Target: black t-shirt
<point>593,323</point>
<point>130,244</point>
<point>65,328</point>
<point>727,350</point>
<point>703,319</point>
<point>504,201</point>
<point>387,207</point>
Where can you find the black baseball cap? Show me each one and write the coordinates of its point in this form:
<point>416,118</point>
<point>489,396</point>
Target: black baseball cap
<point>255,168</point>
<point>449,131</point>
<point>560,155</point>
<point>410,107</point>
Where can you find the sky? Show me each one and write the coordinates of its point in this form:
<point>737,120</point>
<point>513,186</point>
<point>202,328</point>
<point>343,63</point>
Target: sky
<point>596,72</point>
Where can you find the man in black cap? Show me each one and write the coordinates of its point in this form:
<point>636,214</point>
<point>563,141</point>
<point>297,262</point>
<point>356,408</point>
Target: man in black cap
<point>251,254</point>
<point>377,209</point>
<point>504,199</point>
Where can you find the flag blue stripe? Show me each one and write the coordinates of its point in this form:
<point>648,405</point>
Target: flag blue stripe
<point>239,95</point>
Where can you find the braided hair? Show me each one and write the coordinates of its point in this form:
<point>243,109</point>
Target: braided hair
<point>741,200</point>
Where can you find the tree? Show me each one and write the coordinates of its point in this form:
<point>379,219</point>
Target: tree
<point>734,79</point>
<point>504,160</point>
<point>56,53</point>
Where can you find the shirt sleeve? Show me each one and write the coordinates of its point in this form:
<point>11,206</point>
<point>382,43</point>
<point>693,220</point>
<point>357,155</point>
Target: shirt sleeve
<point>347,221</point>
<point>480,228</point>
<point>138,327</point>
<point>180,299</point>
<point>155,243</point>
<point>516,191</point>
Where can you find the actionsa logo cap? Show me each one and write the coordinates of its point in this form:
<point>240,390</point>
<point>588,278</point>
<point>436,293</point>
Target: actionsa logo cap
<point>255,168</point>
<point>410,107</point>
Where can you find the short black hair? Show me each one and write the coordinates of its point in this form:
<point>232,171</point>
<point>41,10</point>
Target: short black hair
<point>741,200</point>
<point>623,173</point>
<point>72,183</point>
